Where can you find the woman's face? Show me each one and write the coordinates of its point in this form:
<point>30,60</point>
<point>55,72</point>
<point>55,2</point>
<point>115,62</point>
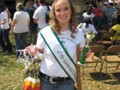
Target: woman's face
<point>63,11</point>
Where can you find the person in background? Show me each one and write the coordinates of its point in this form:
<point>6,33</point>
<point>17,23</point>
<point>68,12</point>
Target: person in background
<point>114,31</point>
<point>63,30</point>
<point>29,7</point>
<point>99,16</point>
<point>110,11</point>
<point>20,27</point>
<point>115,14</point>
<point>87,27</point>
<point>4,31</point>
<point>39,15</point>
<point>105,8</point>
<point>89,13</point>
<point>104,13</point>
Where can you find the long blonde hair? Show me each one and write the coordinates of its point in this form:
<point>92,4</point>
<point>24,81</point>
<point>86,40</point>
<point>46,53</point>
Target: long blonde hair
<point>73,19</point>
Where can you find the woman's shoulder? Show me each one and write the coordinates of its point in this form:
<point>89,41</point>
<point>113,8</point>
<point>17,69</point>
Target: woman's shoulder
<point>45,29</point>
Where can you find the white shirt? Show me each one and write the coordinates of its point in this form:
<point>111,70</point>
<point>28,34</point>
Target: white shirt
<point>39,15</point>
<point>22,19</point>
<point>4,16</point>
<point>49,65</point>
<point>90,28</point>
<point>90,16</point>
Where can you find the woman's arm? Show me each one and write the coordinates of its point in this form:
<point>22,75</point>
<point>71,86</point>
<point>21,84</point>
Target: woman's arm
<point>109,34</point>
<point>112,32</point>
<point>12,25</point>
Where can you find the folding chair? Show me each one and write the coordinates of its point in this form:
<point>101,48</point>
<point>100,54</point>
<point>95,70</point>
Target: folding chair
<point>112,56</point>
<point>95,59</point>
<point>104,40</point>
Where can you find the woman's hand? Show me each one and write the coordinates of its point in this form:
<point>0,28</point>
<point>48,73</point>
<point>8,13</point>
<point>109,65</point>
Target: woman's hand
<point>32,49</point>
<point>11,31</point>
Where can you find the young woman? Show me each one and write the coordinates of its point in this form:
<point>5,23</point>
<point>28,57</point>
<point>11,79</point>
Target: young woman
<point>61,44</point>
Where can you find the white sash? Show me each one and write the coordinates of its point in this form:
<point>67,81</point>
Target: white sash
<point>58,52</point>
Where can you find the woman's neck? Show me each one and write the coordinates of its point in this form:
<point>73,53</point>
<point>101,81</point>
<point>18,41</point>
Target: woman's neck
<point>64,27</point>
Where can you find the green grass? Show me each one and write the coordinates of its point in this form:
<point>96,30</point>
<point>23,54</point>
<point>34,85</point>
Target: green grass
<point>101,81</point>
<point>11,75</point>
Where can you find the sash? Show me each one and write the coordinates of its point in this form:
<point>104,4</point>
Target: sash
<point>59,52</point>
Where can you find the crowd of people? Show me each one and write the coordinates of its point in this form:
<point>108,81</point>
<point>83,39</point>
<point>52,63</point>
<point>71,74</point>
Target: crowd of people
<point>102,14</point>
<point>28,19</point>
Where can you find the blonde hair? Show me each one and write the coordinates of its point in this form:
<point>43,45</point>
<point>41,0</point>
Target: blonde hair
<point>73,19</point>
<point>19,6</point>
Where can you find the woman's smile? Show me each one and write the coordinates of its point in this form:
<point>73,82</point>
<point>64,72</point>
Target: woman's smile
<point>63,11</point>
